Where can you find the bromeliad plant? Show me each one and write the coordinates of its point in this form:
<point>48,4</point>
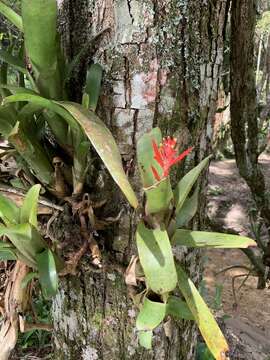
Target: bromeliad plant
<point>166,211</point>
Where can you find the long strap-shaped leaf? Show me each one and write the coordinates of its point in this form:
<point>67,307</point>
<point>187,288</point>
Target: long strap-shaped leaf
<point>92,86</point>
<point>105,145</point>
<point>30,205</point>
<point>178,308</point>
<point>39,22</point>
<point>98,134</point>
<point>15,62</point>
<point>26,239</point>
<point>11,15</point>
<point>192,238</point>
<point>185,184</point>
<point>47,273</point>
<point>203,317</point>
<point>188,210</point>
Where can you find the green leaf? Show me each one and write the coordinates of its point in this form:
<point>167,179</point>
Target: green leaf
<point>188,210</point>
<point>210,239</point>
<point>26,240</point>
<point>158,196</point>
<point>15,62</point>
<point>145,339</point>
<point>30,276</point>
<point>7,119</point>
<point>105,145</point>
<point>56,123</point>
<point>151,315</point>
<point>206,322</point>
<point>11,15</point>
<point>47,273</point>
<point>85,101</point>
<point>202,352</point>
<point>39,22</point>
<point>145,156</point>
<point>6,245</point>
<point>32,152</point>
<point>9,211</point>
<point>178,308</point>
<point>7,254</point>
<point>30,205</point>
<point>93,84</point>
<point>99,135</point>
<point>80,165</point>
<point>185,184</point>
<point>17,89</point>
<point>156,258</point>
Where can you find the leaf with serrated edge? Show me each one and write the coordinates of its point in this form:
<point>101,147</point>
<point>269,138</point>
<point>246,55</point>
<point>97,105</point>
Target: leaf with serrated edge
<point>156,258</point>
<point>205,320</point>
<point>192,238</point>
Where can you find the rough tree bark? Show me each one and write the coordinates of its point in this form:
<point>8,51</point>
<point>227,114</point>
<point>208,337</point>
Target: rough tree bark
<point>244,117</point>
<point>162,61</point>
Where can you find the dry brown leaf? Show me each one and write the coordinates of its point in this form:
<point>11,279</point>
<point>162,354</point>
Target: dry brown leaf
<point>168,328</point>
<point>130,274</point>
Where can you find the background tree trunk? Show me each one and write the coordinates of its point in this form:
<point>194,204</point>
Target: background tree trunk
<point>244,121</point>
<point>162,61</point>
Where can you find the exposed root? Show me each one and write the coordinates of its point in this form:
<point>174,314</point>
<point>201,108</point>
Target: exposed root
<point>71,265</point>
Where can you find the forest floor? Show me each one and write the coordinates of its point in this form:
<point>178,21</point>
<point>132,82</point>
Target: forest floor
<point>229,208</point>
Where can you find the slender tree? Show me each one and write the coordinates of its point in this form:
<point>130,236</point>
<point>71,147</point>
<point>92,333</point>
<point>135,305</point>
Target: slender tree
<point>244,118</point>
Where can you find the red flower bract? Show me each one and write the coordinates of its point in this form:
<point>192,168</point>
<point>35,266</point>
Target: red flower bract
<point>166,156</point>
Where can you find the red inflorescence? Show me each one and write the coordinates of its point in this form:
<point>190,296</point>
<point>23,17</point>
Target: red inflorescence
<point>165,155</point>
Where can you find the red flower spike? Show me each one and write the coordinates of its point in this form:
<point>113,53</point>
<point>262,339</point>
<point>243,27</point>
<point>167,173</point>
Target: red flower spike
<point>155,173</point>
<point>157,154</point>
<point>166,157</point>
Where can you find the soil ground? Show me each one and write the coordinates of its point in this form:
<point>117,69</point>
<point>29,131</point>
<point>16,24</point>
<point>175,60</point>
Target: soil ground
<point>229,206</point>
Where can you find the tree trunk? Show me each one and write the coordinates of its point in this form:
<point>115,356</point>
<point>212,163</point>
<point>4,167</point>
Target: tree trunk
<point>162,61</point>
<point>244,121</point>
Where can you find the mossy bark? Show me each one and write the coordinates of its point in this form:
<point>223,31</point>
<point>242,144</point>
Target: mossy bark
<point>162,62</point>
